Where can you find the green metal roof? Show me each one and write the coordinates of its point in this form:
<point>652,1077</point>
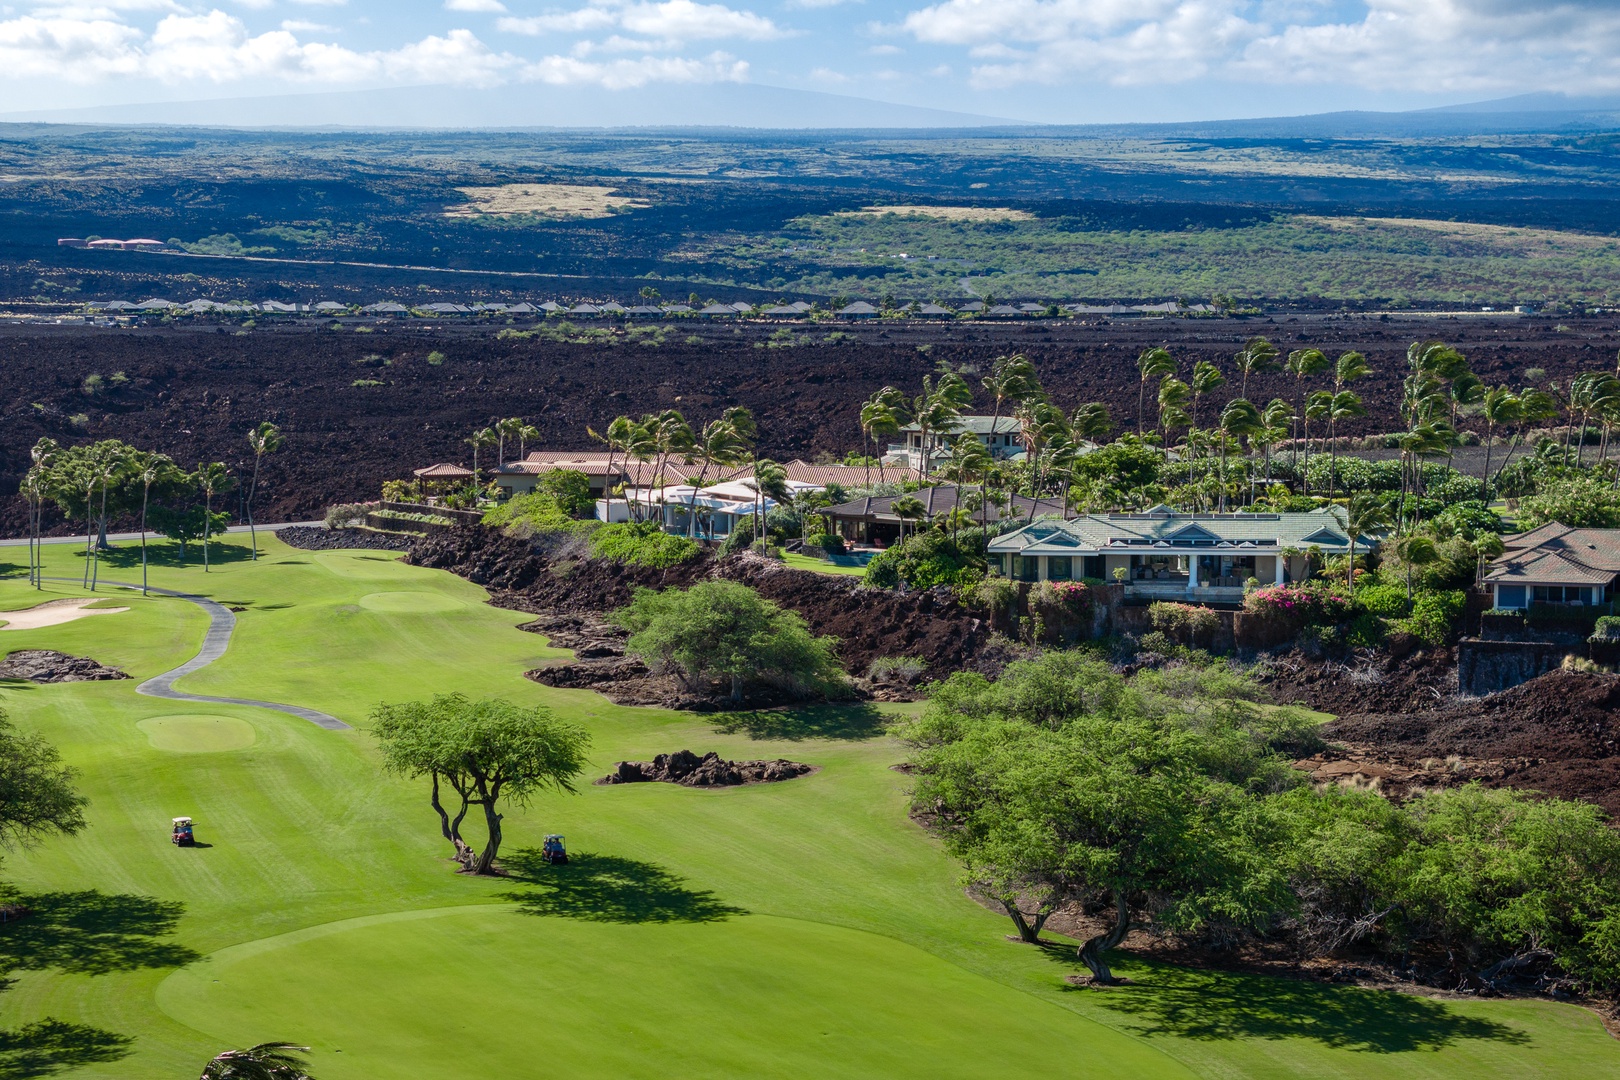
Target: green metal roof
<point>1161,530</point>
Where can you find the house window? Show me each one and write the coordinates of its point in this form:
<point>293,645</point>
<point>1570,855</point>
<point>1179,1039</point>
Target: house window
<point>1059,568</point>
<point>1561,594</point>
<point>1510,597</point>
<point>1028,568</point>
<point>996,562</point>
<point>1094,567</point>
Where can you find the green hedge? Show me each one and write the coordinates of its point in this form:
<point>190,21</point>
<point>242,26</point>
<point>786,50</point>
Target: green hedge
<point>642,543</point>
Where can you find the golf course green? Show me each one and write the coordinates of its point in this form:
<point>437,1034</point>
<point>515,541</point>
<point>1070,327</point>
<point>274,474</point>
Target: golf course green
<point>800,929</point>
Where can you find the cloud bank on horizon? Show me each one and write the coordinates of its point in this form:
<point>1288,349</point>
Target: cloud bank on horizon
<point>1077,60</point>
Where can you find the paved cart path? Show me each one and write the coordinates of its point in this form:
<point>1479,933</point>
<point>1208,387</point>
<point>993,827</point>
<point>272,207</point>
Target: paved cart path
<point>221,623</point>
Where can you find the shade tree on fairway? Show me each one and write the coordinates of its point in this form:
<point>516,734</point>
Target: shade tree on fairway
<point>484,751</point>
<point>37,796</point>
<point>723,631</point>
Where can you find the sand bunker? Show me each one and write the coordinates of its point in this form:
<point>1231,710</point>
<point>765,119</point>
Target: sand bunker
<point>54,612</point>
<point>543,200</point>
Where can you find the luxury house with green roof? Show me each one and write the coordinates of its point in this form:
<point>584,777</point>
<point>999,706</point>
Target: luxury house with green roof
<point>1167,555</point>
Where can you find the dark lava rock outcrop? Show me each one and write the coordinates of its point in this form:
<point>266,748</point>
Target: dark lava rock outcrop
<point>686,768</point>
<point>314,538</point>
<point>46,666</point>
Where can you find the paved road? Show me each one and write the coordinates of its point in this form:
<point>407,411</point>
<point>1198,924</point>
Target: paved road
<point>221,622</point>
<point>111,537</point>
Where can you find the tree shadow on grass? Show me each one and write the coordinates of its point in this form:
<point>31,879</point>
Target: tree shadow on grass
<point>91,933</point>
<point>852,722</point>
<point>51,1046</point>
<point>128,555</point>
<point>11,569</point>
<point>1219,1005</point>
<point>609,888</point>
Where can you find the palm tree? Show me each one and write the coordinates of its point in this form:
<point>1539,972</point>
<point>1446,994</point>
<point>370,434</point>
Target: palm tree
<point>1256,356</point>
<point>1092,422</point>
<point>1277,415</point>
<point>722,442</point>
<point>478,441</point>
<point>1206,377</point>
<point>1502,407</point>
<point>1363,514</point>
<point>877,412</point>
<point>1155,363</point>
<point>1302,364</point>
<point>266,1061</point>
<point>1318,406</point>
<point>211,479</point>
<point>151,469</point>
<point>1012,378</point>
<point>907,508</point>
<point>1415,550</point>
<point>1239,420</point>
<point>41,454</point>
<point>1174,396</point>
<point>526,434</point>
<point>970,456</point>
<point>770,481</point>
<point>262,440</point>
<point>935,411</point>
<point>1344,405</point>
<point>505,429</point>
<point>1535,407</point>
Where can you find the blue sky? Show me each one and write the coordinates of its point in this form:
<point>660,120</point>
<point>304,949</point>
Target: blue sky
<point>1044,60</point>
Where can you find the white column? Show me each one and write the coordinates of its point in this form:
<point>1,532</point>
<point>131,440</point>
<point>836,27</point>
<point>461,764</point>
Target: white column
<point>1192,573</point>
<point>1282,566</point>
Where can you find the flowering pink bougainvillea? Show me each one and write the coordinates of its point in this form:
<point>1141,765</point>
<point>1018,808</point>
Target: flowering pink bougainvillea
<point>1310,601</point>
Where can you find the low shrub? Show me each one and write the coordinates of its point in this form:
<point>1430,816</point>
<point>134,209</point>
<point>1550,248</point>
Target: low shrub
<point>1185,624</point>
<point>642,543</point>
<point>897,669</point>
<point>830,543</point>
<point>1367,630</point>
<point>1436,617</point>
<point>1606,629</point>
<point>346,515</point>
<point>929,558</point>
<point>1388,601</point>
<point>994,594</point>
<point>570,490</point>
<point>538,510</point>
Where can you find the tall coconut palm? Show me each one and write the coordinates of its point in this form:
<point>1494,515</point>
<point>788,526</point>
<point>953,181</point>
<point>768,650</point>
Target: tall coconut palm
<point>1318,407</point>
<point>1415,551</point>
<point>972,458</point>
<point>266,1061</point>
<point>723,442</point>
<point>1361,516</point>
<point>35,484</point>
<point>1278,415</point>
<point>1465,391</point>
<point>1011,381</point>
<point>1257,355</point>
<point>935,411</point>
<point>526,434</point>
<point>1535,407</point>
<point>262,440</point>
<point>1174,397</point>
<point>1152,364</point>
<point>1500,408</point>
<point>1092,422</point>
<point>1302,364</point>
<point>1239,420</point>
<point>43,456</point>
<point>877,415</point>
<point>211,479</point>
<point>480,440</point>
<point>907,508</point>
<point>152,470</point>
<point>770,482</point>
<point>505,429</point>
<point>1344,405</point>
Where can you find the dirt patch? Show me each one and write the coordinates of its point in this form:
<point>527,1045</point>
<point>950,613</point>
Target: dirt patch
<point>687,769</point>
<point>48,666</point>
<point>557,201</point>
<point>317,539</point>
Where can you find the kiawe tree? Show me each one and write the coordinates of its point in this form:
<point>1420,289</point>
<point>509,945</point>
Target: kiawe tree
<point>485,751</point>
<point>37,796</point>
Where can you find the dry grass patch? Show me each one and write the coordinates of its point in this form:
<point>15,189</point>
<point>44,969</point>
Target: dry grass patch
<point>944,213</point>
<point>543,200</point>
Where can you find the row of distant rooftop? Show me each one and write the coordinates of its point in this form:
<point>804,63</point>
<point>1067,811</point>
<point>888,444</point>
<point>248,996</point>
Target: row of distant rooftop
<point>860,309</point>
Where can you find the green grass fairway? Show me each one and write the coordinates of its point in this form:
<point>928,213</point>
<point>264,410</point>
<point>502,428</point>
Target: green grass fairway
<point>821,566</point>
<point>802,929</point>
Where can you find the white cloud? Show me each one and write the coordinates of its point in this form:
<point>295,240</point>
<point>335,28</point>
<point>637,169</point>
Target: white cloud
<point>626,74</point>
<point>217,47</point>
<point>885,50</point>
<point>1413,45</point>
<point>812,4</point>
<point>494,6</point>
<point>828,75</point>
<point>297,26</point>
<point>670,20</point>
